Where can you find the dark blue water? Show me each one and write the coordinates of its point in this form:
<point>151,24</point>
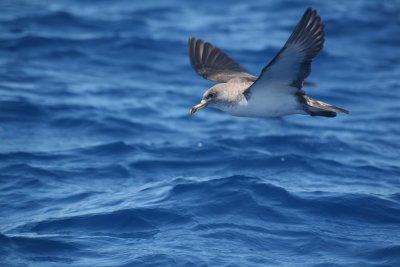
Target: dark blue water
<point>100,164</point>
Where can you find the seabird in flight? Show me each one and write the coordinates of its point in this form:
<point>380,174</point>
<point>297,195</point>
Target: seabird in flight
<point>278,91</point>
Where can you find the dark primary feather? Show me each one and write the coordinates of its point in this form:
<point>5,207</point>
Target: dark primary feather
<point>293,62</point>
<point>213,64</point>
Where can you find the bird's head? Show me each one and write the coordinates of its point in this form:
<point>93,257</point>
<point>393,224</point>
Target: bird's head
<point>213,97</point>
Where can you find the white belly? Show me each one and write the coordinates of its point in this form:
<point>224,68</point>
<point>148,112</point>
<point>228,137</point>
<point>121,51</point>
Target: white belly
<point>267,103</point>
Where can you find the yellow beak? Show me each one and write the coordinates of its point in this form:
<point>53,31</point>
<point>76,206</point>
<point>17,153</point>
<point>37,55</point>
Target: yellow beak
<point>203,103</point>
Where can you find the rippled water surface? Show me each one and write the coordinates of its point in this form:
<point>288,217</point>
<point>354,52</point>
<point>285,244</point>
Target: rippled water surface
<point>100,164</point>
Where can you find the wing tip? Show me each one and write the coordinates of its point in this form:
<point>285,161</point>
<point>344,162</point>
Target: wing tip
<point>310,10</point>
<point>193,39</point>
<point>311,28</point>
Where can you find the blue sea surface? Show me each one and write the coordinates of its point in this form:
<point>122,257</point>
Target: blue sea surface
<point>101,165</point>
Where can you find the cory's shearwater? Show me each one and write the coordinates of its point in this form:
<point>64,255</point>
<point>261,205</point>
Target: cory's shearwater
<point>278,91</point>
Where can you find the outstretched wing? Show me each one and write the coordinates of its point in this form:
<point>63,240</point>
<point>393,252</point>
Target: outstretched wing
<point>213,64</point>
<point>292,64</point>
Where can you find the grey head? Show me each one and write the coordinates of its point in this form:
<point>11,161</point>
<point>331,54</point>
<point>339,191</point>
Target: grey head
<point>222,96</point>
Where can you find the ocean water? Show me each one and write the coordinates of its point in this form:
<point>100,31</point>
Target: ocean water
<point>100,164</point>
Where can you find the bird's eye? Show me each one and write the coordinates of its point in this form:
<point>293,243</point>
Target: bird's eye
<point>210,95</point>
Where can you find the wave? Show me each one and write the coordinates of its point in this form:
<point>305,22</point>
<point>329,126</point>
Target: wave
<point>245,195</point>
<point>21,109</point>
<point>35,244</point>
<point>134,223</point>
<point>27,248</point>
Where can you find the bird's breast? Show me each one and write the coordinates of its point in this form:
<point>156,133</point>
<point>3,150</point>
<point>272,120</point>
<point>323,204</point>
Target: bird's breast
<point>266,104</point>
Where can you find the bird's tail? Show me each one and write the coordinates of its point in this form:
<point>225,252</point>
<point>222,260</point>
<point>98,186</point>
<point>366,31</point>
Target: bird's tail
<point>319,108</point>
